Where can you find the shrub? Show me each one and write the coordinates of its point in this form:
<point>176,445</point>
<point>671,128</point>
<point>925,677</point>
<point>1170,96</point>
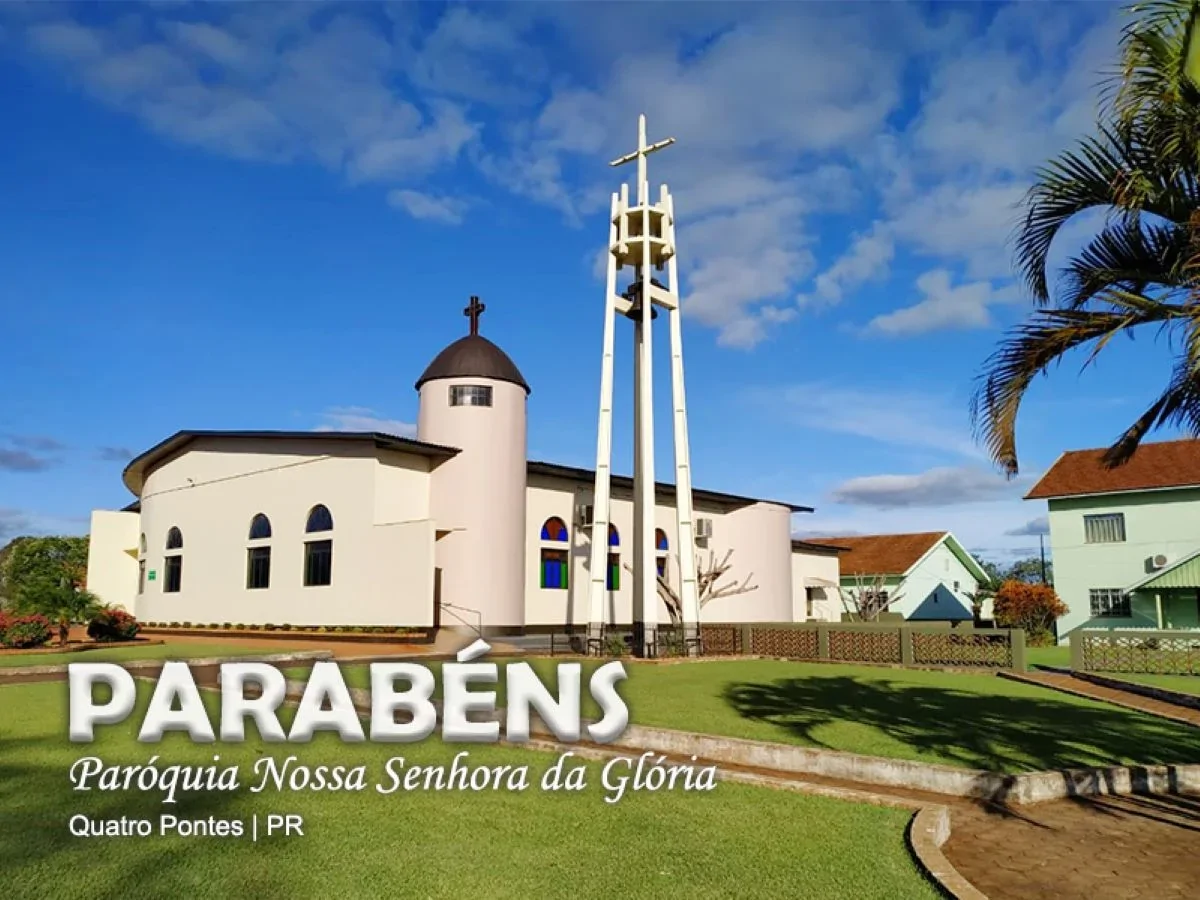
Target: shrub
<point>1034,607</point>
<point>226,625</point>
<point>113,624</point>
<point>285,627</point>
<point>240,627</point>
<point>187,624</point>
<point>614,645</point>
<point>21,632</point>
<point>174,625</point>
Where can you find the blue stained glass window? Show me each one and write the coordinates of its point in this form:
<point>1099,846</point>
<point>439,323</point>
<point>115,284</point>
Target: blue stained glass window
<point>660,539</point>
<point>555,529</point>
<point>614,571</point>
<point>614,539</point>
<point>555,568</point>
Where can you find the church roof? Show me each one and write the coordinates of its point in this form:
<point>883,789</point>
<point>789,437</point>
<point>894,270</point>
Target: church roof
<point>662,490</point>
<point>140,466</point>
<point>473,356</point>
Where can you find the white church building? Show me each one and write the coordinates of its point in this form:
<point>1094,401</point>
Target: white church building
<point>456,527</point>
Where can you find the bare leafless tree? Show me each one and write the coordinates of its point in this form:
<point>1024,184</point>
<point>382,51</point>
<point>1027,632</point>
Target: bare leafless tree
<point>709,574</point>
<point>868,599</point>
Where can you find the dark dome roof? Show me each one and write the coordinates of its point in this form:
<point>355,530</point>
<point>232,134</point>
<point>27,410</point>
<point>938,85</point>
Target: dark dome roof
<point>473,357</point>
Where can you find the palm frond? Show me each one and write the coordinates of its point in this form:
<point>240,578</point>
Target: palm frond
<point>1127,255</point>
<point>1031,348</point>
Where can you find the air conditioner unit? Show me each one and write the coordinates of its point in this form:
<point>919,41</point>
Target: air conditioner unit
<point>1158,561</point>
<point>586,516</point>
<point>704,528</point>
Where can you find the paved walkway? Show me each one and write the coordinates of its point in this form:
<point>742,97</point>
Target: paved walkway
<point>1072,685</point>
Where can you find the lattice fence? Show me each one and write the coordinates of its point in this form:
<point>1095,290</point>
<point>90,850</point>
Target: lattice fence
<point>790,643</point>
<point>946,648</point>
<point>721,640</point>
<point>1148,652</point>
<point>877,645</point>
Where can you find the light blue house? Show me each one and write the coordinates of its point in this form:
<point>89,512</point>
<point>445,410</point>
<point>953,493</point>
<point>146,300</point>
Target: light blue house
<point>927,577</point>
<point>1126,541</point>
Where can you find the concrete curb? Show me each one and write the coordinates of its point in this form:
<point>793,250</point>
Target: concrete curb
<point>1188,701</point>
<point>139,665</point>
<point>1013,676</point>
<point>927,832</point>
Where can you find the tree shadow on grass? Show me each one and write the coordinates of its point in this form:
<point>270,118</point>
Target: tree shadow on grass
<point>976,730</point>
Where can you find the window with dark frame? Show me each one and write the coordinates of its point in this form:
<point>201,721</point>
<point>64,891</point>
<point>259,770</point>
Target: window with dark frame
<point>1109,603</point>
<point>318,563</point>
<point>614,572</point>
<point>173,574</point>
<point>470,395</point>
<point>258,568</point>
<point>1108,528</point>
<point>141,576</point>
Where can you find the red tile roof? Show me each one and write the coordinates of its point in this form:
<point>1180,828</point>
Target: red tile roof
<point>1163,464</point>
<point>881,554</point>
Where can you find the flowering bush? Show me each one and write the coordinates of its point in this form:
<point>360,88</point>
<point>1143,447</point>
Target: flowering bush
<point>1034,607</point>
<point>24,631</point>
<point>113,624</point>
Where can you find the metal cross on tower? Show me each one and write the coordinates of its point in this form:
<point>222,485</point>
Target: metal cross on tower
<point>643,237</point>
<point>473,312</point>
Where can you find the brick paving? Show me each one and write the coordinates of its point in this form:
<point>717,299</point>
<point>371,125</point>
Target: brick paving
<point>1072,685</point>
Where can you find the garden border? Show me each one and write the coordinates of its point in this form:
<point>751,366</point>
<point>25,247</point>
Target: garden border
<point>76,648</point>
<point>1166,695</point>
<point>135,666</point>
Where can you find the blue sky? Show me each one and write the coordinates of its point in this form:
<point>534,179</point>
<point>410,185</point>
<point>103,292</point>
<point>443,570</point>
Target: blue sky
<point>271,216</point>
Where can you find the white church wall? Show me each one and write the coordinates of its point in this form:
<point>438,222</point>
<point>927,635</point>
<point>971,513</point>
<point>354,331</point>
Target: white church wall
<point>211,493</point>
<point>761,540</point>
<point>815,567</point>
<point>479,498</point>
<point>402,488</point>
<point>112,573</point>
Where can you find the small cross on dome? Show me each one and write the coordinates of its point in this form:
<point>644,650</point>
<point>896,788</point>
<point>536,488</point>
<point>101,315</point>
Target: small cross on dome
<point>473,312</point>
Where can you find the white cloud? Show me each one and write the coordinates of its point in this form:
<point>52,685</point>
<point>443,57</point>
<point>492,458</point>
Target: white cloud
<point>398,99</point>
<point>879,414</point>
<point>361,418</point>
<point>945,486</point>
<point>447,210</point>
<point>944,306</point>
<point>1032,528</point>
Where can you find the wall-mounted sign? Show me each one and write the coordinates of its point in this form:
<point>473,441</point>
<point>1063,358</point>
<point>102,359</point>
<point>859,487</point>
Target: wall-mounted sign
<point>152,574</point>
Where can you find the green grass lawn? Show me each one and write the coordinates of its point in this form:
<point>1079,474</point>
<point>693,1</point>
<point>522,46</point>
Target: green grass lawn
<point>1059,657</point>
<point>735,841</point>
<point>970,720</point>
<point>134,654</point>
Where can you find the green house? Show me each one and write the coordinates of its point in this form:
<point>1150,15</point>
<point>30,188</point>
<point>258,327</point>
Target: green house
<point>1126,541</point>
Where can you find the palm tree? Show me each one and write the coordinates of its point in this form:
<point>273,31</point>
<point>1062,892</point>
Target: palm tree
<point>1142,169</point>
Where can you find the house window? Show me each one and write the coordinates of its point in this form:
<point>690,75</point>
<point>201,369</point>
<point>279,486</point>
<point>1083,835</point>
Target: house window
<point>956,587</point>
<point>554,569</point>
<point>809,600</point>
<point>173,563</point>
<point>173,574</point>
<point>141,576</point>
<point>1106,529</point>
<point>614,571</point>
<point>1109,603</point>
<point>660,566</point>
<point>318,563</point>
<point>470,395</point>
<point>258,568</point>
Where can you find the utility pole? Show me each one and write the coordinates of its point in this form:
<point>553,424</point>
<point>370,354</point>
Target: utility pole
<point>1042,547</point>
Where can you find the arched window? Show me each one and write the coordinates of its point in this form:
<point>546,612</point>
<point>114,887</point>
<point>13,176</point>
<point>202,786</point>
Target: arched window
<point>555,563</point>
<point>260,526</point>
<point>661,545</point>
<point>613,580</point>
<point>258,556</point>
<point>318,555</point>
<point>173,562</point>
<point>555,529</point>
<point>319,519</point>
<point>142,544</point>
